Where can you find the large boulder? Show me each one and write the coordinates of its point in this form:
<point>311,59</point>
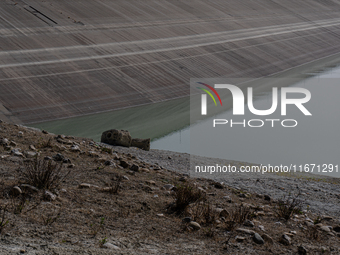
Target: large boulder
<point>117,137</point>
<point>143,144</point>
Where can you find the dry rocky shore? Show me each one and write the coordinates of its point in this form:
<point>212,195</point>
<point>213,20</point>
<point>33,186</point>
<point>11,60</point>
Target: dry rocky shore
<point>93,198</point>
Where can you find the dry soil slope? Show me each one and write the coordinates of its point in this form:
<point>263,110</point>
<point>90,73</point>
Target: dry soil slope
<point>68,58</point>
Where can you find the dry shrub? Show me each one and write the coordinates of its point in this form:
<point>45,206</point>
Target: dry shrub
<point>288,205</point>
<point>43,174</point>
<point>240,214</point>
<point>185,195</point>
<point>203,213</point>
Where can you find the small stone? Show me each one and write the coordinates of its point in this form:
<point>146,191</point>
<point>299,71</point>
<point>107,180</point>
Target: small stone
<point>29,187</point>
<point>160,215</point>
<point>16,191</point>
<point>168,187</point>
<point>135,168</point>
<point>293,232</point>
<point>75,148</point>
<point>222,212</point>
<point>125,178</point>
<point>194,225</point>
<point>124,164</point>
<point>240,239</point>
<point>187,219</point>
<point>20,134</point>
<point>17,153</point>
<point>278,223</point>
<point>71,166</point>
<point>31,147</point>
<point>44,132</point>
<point>267,198</point>
<point>155,196</point>
<point>337,229</point>
<point>12,143</point>
<point>267,238</point>
<point>22,251</point>
<point>285,240</point>
<point>325,228</point>
<point>49,196</point>
<point>302,250</point>
<point>30,154</point>
<point>149,182</point>
<point>249,223</point>
<point>258,239</point>
<point>59,157</point>
<point>246,231</point>
<point>84,186</point>
<point>218,185</point>
<point>261,228</point>
<point>4,141</point>
<point>110,246</point>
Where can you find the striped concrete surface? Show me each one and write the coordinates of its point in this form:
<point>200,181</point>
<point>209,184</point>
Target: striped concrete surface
<point>62,58</point>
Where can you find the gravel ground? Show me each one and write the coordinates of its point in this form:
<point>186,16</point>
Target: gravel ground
<point>321,193</point>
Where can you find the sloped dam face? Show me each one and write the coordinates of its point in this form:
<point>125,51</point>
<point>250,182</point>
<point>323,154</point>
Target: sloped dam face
<point>63,58</point>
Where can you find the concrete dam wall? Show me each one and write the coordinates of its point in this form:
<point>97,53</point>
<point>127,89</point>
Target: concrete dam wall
<point>62,58</point>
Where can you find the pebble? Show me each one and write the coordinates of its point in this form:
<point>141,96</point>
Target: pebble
<point>302,250</point>
<point>325,228</point>
<point>267,238</point>
<point>261,228</point>
<point>31,147</point>
<point>258,239</point>
<point>110,246</point>
<point>49,196</point>
<point>75,148</point>
<point>246,231</point>
<point>249,223</point>
<point>125,177</point>
<point>135,168</point>
<point>30,187</point>
<point>84,186</point>
<point>240,239</point>
<point>285,239</point>
<point>194,225</point>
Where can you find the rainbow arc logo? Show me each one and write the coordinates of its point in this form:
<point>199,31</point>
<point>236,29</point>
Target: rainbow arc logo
<point>204,97</point>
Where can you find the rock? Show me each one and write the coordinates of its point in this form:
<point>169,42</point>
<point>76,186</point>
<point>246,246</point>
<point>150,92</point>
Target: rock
<point>246,231</point>
<point>249,223</point>
<point>29,187</point>
<point>293,232</point>
<point>240,239</point>
<point>194,225</point>
<point>267,198</point>
<point>168,187</point>
<point>71,166</point>
<point>17,153</point>
<point>124,164</point>
<point>222,212</point>
<point>302,250</point>
<point>325,228</point>
<point>16,191</point>
<point>93,154</point>
<point>110,246</point>
<point>337,229</point>
<point>84,186</point>
<point>218,185</point>
<point>31,154</point>
<point>4,141</point>
<point>155,196</point>
<point>261,228</point>
<point>187,219</point>
<point>117,137</point>
<point>44,132</point>
<point>285,240</point>
<point>135,168</point>
<point>267,238</point>
<point>13,144</point>
<point>327,218</point>
<point>149,182</point>
<point>59,157</point>
<point>75,148</point>
<point>49,196</point>
<point>258,239</point>
<point>143,144</point>
<point>125,177</point>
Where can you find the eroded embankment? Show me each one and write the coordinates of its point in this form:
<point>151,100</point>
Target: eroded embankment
<point>60,59</point>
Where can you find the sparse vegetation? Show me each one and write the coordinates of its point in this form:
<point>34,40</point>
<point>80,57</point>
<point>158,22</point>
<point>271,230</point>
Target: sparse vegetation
<point>3,220</point>
<point>185,195</point>
<point>43,174</point>
<point>288,205</point>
